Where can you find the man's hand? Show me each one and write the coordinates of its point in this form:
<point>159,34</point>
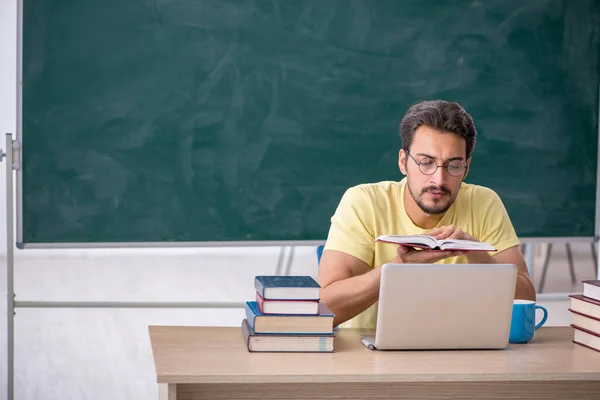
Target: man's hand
<point>408,255</point>
<point>450,232</point>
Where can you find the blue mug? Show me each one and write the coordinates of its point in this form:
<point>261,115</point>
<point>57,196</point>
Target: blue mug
<point>522,325</point>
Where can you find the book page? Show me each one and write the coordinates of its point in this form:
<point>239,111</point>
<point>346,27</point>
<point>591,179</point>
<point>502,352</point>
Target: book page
<point>420,240</point>
<point>425,241</point>
<point>465,245</point>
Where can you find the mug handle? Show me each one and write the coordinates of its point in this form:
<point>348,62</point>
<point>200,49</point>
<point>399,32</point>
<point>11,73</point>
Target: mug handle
<point>538,326</point>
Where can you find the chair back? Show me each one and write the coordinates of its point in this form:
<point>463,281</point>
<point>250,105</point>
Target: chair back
<point>319,253</point>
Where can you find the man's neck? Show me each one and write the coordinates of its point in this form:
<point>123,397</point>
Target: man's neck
<point>418,216</point>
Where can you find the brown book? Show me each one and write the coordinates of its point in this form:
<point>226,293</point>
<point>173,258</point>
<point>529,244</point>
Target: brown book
<point>286,343</point>
<point>585,321</point>
<point>586,338</point>
<point>585,305</point>
<point>591,289</point>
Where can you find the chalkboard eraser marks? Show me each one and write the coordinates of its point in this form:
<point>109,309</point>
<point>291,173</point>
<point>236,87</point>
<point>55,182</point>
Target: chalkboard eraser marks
<point>273,287</point>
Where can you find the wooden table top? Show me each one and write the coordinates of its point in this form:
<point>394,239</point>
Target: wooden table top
<point>190,354</point>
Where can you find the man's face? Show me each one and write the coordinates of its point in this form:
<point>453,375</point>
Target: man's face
<point>435,193</point>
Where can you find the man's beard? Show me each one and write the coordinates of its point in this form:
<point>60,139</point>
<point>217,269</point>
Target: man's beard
<point>436,209</point>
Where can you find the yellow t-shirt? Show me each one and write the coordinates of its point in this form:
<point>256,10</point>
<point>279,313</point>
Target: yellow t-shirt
<point>369,210</point>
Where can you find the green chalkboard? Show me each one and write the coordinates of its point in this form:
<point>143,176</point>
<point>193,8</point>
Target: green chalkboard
<point>202,121</point>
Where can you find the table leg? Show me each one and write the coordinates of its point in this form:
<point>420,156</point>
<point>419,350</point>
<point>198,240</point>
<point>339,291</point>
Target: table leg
<point>167,391</point>
<point>545,267</point>
<point>570,260</point>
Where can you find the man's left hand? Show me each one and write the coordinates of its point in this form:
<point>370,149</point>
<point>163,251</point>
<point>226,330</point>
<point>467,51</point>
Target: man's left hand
<point>450,232</point>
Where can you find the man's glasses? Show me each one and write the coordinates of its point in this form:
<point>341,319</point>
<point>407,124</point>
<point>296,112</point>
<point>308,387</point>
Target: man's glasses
<point>428,166</point>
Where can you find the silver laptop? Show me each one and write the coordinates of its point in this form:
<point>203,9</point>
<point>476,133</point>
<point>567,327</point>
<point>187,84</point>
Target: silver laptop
<point>444,306</point>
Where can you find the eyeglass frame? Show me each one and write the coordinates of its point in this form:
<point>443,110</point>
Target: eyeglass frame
<point>464,165</point>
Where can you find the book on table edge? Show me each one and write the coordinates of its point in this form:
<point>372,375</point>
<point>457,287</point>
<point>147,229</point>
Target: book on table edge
<point>586,338</point>
<point>285,342</point>
<point>585,305</point>
<point>585,321</point>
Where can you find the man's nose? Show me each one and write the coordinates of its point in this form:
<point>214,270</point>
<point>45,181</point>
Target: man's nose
<point>439,176</point>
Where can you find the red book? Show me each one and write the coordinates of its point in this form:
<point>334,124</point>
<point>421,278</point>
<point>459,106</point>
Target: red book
<point>586,338</point>
<point>586,322</point>
<point>298,307</point>
<point>585,305</point>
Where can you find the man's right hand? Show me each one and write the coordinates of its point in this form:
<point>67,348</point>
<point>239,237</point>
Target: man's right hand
<point>409,255</point>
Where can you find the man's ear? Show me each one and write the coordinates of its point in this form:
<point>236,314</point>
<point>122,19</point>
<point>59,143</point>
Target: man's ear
<point>468,165</point>
<point>402,161</point>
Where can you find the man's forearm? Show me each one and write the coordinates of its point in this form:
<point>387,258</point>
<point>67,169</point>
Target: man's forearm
<point>349,297</point>
<point>480,257</point>
<point>524,288</point>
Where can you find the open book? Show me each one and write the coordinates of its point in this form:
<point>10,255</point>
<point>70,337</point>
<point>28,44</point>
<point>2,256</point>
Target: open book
<point>430,243</point>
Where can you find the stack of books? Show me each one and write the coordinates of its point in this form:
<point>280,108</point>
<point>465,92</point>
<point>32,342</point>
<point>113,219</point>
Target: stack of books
<point>585,315</point>
<point>287,316</point>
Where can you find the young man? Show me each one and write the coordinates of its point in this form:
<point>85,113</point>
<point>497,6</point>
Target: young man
<point>437,140</point>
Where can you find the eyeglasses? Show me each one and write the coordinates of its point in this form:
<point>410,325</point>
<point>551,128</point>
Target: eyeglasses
<point>428,166</point>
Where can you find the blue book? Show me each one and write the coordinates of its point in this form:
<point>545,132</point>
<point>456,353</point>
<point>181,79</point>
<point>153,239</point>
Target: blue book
<point>318,324</point>
<point>272,287</point>
<point>285,342</point>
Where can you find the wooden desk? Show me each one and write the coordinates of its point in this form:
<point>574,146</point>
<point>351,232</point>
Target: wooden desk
<point>213,363</point>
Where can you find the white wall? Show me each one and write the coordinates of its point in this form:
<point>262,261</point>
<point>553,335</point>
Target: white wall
<point>105,353</point>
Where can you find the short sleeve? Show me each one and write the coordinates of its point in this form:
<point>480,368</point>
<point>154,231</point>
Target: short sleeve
<point>497,228</point>
<point>351,229</point>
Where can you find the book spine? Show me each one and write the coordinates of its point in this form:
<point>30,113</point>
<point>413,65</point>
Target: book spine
<point>260,302</point>
<point>250,316</point>
<point>258,285</point>
<point>246,333</point>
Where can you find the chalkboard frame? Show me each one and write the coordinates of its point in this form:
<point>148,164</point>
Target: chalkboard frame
<point>174,244</point>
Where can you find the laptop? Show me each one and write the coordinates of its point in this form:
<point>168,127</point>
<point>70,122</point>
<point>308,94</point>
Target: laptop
<point>444,306</point>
